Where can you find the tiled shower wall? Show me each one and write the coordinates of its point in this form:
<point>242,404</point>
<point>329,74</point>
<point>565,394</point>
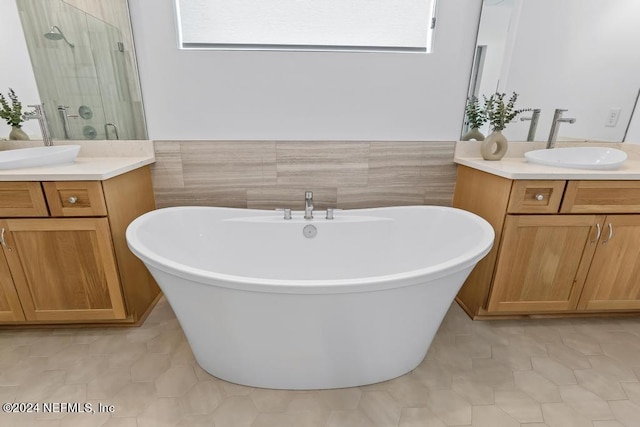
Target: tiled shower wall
<point>94,73</point>
<point>268,175</point>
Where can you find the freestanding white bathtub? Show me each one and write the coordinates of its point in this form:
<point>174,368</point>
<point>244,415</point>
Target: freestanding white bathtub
<point>261,304</point>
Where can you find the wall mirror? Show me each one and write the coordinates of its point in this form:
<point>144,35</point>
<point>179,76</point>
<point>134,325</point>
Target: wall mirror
<point>578,55</point>
<point>84,63</point>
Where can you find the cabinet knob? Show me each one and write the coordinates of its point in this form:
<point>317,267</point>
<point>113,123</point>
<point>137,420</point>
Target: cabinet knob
<point>73,200</point>
<point>539,197</point>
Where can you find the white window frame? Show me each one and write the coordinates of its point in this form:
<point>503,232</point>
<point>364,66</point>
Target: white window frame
<point>246,31</point>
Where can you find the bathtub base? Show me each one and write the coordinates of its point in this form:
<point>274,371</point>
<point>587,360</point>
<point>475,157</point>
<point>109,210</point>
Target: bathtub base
<point>309,341</point>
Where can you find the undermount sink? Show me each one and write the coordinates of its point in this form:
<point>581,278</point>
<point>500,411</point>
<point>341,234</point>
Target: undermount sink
<point>600,158</point>
<point>38,156</point>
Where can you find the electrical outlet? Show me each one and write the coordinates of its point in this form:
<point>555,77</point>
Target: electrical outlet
<point>612,117</point>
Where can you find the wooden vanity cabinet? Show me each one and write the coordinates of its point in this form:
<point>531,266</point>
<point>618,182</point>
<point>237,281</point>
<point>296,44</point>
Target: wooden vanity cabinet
<point>613,282</point>
<point>10,307</point>
<point>556,252</point>
<point>542,263</point>
<point>72,264</point>
<point>64,269</point>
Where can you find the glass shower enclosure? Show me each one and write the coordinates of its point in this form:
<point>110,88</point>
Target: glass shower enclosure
<point>85,72</point>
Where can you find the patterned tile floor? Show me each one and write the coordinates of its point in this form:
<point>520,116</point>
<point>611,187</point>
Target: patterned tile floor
<point>525,373</point>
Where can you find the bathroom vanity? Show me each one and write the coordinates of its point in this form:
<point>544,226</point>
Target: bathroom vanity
<point>64,256</point>
<point>567,240</point>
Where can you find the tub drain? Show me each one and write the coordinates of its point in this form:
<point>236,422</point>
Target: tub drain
<point>309,231</point>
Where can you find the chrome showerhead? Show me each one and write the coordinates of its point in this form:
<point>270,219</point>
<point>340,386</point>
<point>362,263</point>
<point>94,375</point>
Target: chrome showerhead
<point>55,33</point>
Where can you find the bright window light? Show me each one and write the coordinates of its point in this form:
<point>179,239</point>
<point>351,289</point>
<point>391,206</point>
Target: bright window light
<point>352,25</point>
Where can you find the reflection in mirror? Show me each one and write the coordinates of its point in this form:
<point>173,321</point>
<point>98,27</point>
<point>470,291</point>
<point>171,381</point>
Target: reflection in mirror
<point>85,69</point>
<point>578,55</point>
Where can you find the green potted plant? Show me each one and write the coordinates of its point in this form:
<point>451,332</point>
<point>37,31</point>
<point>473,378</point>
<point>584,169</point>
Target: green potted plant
<point>12,114</point>
<point>499,114</point>
<point>476,117</point>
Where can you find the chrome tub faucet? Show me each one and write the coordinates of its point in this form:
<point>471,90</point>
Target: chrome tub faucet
<point>308,205</point>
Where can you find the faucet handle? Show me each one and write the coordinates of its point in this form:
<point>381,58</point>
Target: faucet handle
<point>330,212</point>
<point>286,211</point>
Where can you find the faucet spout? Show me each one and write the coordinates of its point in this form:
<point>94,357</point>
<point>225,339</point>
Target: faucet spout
<point>555,124</point>
<point>308,205</point>
<point>38,114</point>
<point>534,123</point>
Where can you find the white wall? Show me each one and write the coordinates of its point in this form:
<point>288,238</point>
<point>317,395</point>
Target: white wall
<point>585,60</point>
<point>16,71</point>
<point>303,95</point>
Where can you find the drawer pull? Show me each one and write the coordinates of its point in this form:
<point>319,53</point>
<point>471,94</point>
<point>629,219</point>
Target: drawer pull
<point>4,244</point>
<point>598,233</point>
<point>539,197</point>
<point>604,242</point>
<point>73,200</point>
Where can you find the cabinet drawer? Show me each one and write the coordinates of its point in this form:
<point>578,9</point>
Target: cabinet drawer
<point>75,198</point>
<point>22,199</point>
<point>535,196</point>
<point>602,197</point>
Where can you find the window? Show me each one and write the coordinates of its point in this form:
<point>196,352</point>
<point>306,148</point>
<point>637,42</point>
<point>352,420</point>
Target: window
<point>353,25</point>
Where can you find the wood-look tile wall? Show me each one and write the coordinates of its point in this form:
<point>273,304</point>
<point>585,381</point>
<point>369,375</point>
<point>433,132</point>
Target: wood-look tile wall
<point>267,174</point>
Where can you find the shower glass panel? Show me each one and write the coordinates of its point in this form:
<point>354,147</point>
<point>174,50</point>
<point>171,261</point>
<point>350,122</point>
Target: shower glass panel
<point>91,73</point>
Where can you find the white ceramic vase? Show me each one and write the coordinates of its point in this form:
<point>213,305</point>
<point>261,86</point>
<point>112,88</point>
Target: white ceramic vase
<point>494,147</point>
<point>17,134</point>
<point>474,133</point>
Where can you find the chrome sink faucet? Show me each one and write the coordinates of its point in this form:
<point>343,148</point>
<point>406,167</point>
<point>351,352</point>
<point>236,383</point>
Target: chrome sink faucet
<point>308,205</point>
<point>555,124</point>
<point>39,115</point>
<point>535,115</point>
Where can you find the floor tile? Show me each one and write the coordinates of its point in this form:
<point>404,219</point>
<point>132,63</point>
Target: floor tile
<point>553,370</point>
<point>271,400</point>
<point>627,412</point>
<point>600,384</point>
<point>175,381</point>
<point>586,403</point>
<point>236,411</point>
<point>450,407</point>
<point>419,417</point>
<point>474,391</point>
<point>514,373</point>
<point>492,416</point>
<point>349,418</point>
<point>407,391</point>
<point>341,399</point>
<point>537,386</point>
<point>381,408</point>
<point>201,399</point>
<point>562,415</point>
<point>519,406</point>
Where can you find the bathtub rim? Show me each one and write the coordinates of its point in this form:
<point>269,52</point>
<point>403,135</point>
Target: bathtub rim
<point>305,286</point>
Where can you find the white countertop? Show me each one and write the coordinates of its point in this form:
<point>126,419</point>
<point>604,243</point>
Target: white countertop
<point>97,161</point>
<point>514,165</point>
<point>83,169</point>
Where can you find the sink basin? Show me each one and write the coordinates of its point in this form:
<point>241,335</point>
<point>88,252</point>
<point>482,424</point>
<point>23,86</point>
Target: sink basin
<point>38,156</point>
<point>600,158</point>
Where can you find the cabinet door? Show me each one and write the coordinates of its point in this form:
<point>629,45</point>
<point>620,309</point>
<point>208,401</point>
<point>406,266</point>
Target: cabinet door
<point>64,269</point>
<point>10,308</point>
<point>543,262</point>
<point>613,282</point>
